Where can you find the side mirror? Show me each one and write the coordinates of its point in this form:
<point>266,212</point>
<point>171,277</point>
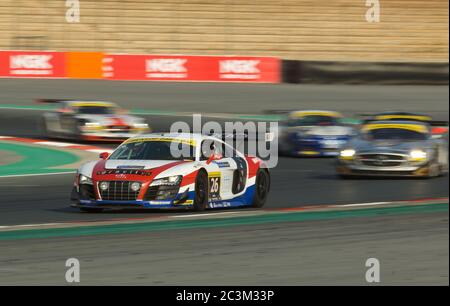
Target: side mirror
<point>212,157</point>
<point>104,155</point>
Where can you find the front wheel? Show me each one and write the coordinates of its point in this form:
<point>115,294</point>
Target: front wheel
<point>201,191</point>
<point>262,185</point>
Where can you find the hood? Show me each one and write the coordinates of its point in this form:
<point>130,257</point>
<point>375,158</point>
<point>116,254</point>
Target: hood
<point>334,130</point>
<point>391,145</point>
<point>136,164</point>
<point>114,120</point>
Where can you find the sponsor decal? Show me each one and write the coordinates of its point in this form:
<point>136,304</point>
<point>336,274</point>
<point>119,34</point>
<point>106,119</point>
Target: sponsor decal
<point>222,164</point>
<point>130,171</point>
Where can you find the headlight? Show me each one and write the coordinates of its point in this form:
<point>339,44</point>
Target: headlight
<point>103,186</point>
<point>347,154</point>
<point>170,180</point>
<point>84,180</point>
<point>418,155</point>
<point>92,124</point>
<point>135,186</point>
<point>141,125</point>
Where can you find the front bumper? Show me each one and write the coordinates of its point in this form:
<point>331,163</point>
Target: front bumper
<point>347,169</point>
<point>84,200</point>
<point>132,204</point>
<point>316,146</point>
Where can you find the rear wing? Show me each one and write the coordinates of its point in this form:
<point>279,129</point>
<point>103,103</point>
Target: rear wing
<point>51,101</point>
<point>437,126</point>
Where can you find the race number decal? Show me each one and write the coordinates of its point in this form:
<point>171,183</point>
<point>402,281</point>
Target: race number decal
<point>214,179</point>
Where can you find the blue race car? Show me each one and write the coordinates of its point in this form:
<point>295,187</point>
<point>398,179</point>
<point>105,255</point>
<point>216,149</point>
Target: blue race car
<point>314,133</point>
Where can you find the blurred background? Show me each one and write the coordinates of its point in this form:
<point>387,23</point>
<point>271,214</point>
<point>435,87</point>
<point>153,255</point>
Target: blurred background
<point>317,41</point>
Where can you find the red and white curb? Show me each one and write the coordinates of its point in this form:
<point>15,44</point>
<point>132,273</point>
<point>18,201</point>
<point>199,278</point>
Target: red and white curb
<point>65,145</point>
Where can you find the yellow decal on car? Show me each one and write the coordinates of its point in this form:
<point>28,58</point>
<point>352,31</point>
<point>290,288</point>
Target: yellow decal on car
<point>412,127</point>
<point>405,117</point>
<point>100,104</point>
<point>190,142</point>
<point>307,113</point>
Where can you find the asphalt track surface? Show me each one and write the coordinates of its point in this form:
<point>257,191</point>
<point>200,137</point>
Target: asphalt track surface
<point>411,249</point>
<point>295,181</point>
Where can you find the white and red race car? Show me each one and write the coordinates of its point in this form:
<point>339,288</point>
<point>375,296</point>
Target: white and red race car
<point>171,171</point>
<point>90,120</point>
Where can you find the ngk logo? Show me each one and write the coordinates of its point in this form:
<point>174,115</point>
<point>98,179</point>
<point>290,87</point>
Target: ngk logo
<point>30,62</point>
<point>239,66</point>
<point>166,68</point>
<point>174,65</point>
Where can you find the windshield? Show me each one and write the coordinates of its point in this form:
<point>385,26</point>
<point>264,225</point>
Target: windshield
<point>96,110</point>
<point>395,134</point>
<point>313,121</point>
<point>154,150</point>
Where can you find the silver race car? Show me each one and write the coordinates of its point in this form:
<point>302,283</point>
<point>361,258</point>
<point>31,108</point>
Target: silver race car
<point>394,148</point>
<point>90,120</point>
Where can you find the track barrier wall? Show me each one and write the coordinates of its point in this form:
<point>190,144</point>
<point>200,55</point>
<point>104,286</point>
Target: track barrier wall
<point>148,67</point>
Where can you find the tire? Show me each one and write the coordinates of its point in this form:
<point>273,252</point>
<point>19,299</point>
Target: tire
<point>43,128</point>
<point>262,186</point>
<point>201,191</point>
<point>91,210</point>
<point>435,167</point>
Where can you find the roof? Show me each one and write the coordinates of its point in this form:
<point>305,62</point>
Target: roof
<point>401,124</point>
<point>192,138</point>
<point>396,115</point>
<point>298,114</point>
<point>90,103</point>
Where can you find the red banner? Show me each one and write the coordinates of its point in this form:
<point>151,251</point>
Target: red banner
<point>139,67</point>
<point>35,64</point>
<point>191,68</point>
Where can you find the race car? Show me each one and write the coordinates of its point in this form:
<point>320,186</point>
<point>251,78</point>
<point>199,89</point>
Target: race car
<point>394,148</point>
<point>313,133</point>
<point>91,121</point>
<point>180,171</point>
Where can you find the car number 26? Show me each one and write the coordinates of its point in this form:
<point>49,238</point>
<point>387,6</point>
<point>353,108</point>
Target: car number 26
<point>214,186</point>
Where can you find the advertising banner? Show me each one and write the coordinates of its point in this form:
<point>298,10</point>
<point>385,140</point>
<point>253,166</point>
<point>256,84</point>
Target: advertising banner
<point>191,68</point>
<point>142,67</point>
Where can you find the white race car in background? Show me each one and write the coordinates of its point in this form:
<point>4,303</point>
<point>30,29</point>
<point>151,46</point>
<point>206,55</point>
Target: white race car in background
<point>90,120</point>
